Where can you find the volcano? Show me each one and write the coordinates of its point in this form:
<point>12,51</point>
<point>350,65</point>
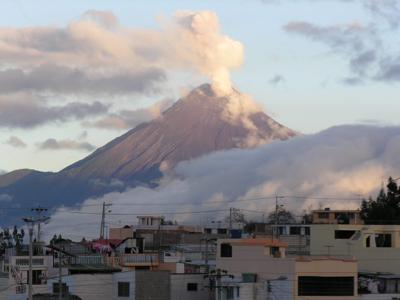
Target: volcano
<point>197,124</point>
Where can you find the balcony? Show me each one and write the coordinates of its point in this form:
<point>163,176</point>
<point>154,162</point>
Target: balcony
<point>133,260</point>
<point>23,261</point>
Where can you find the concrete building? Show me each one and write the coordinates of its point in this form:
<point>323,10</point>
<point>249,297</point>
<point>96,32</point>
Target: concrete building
<point>189,287</point>
<point>376,247</point>
<point>328,216</point>
<point>131,285</point>
<point>296,236</point>
<point>259,268</point>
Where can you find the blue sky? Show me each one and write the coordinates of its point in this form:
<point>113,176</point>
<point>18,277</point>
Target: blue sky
<point>296,70</point>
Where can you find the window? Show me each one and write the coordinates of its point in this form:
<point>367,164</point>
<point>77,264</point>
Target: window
<point>295,230</point>
<point>344,234</point>
<point>207,230</point>
<point>342,218</point>
<point>36,277</point>
<point>230,293</point>
<point>221,231</point>
<point>325,286</point>
<point>123,289</point>
<point>226,250</point>
<point>274,251</point>
<point>191,286</point>
<point>307,230</point>
<point>382,240</point>
<point>323,215</point>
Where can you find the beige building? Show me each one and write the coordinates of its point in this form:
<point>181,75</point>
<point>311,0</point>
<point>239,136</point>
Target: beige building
<point>259,268</point>
<point>328,216</point>
<point>376,247</point>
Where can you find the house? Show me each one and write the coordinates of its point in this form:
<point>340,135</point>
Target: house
<point>296,236</point>
<point>258,268</point>
<point>16,266</point>
<point>130,285</point>
<point>376,247</point>
<point>328,216</point>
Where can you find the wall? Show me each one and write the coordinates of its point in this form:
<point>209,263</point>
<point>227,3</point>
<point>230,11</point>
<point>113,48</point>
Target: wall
<point>87,286</point>
<point>152,285</point>
<point>251,259</point>
<point>124,277</point>
<point>369,259</point>
<point>179,287</point>
<point>326,267</point>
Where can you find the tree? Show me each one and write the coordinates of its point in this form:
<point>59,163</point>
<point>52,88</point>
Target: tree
<point>385,209</point>
<point>236,216</point>
<point>9,240</point>
<point>283,217</point>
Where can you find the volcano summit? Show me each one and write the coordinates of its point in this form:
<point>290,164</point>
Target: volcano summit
<point>199,123</point>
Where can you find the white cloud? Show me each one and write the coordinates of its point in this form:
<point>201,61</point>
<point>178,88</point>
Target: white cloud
<point>345,161</point>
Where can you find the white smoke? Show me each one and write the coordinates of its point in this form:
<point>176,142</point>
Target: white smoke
<point>203,46</point>
<point>341,162</point>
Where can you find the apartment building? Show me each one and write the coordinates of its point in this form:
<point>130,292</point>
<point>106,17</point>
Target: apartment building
<point>259,268</point>
<point>376,247</point>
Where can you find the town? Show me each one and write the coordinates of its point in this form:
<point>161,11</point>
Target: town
<point>200,150</point>
<point>328,254</point>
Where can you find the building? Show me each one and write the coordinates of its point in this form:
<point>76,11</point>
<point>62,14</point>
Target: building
<point>376,247</point>
<point>131,285</point>
<point>189,286</point>
<point>259,268</point>
<point>328,216</point>
<point>296,236</point>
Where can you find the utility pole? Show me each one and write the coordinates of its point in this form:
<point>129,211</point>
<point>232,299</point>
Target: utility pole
<point>59,276</point>
<point>230,221</point>
<point>103,218</point>
<point>276,219</point>
<point>31,222</point>
<point>215,276</point>
<point>207,240</point>
<point>39,210</point>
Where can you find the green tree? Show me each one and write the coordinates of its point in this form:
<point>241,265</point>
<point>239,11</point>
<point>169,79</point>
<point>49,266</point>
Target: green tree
<point>385,209</point>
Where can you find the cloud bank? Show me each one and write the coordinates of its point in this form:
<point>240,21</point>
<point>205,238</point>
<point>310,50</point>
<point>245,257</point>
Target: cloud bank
<point>341,162</point>
<point>53,144</point>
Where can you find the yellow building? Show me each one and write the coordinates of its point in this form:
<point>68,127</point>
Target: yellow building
<point>259,268</point>
<point>376,247</point>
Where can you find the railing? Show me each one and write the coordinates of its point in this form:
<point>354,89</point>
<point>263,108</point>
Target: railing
<point>24,261</point>
<point>134,259</point>
<point>88,260</point>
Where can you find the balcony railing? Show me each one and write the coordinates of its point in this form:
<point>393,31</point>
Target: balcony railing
<point>24,261</point>
<point>91,260</point>
<point>141,259</point>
